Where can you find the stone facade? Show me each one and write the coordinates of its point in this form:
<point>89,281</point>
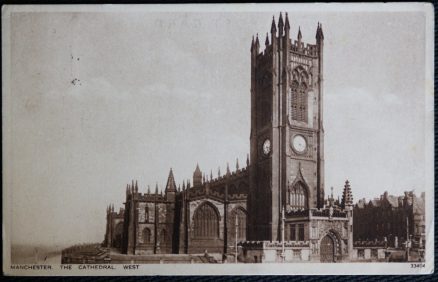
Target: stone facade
<point>193,219</point>
<point>287,135</point>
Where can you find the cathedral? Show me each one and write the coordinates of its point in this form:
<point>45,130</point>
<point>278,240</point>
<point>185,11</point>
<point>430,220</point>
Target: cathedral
<point>271,208</point>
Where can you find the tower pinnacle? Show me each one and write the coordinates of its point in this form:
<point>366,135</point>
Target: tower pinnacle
<point>286,24</point>
<point>347,196</point>
<point>319,33</point>
<point>273,27</point>
<point>280,25</point>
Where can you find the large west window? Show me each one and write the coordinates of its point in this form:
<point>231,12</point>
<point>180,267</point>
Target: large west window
<point>206,222</point>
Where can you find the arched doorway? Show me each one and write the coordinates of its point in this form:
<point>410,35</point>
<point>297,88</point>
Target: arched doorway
<point>327,249</point>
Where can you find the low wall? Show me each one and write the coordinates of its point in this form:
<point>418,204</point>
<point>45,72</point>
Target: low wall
<point>272,252</point>
<point>366,254</point>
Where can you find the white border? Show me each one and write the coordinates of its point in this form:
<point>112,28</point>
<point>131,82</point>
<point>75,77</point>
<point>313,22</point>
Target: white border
<point>238,269</point>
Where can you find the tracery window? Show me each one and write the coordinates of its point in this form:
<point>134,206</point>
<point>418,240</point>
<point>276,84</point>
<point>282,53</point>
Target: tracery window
<point>206,222</point>
<point>294,102</point>
<point>298,197</point>
<point>299,101</point>
<point>146,235</point>
<point>241,224</point>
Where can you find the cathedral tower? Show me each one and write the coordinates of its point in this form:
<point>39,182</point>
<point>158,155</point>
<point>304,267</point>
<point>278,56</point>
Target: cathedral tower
<point>287,135</point>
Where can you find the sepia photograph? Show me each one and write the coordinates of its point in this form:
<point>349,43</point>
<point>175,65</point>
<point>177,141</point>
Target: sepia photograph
<point>218,139</point>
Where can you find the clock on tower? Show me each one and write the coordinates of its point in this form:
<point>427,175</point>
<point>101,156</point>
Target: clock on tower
<point>287,135</point>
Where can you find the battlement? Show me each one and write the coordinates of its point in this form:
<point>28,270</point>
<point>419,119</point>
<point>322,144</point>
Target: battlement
<point>223,178</point>
<point>326,213</point>
<point>248,245</point>
<point>280,37</point>
<point>310,50</point>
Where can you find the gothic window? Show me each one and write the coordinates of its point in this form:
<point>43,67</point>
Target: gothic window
<point>302,103</point>
<point>206,222</point>
<point>298,197</point>
<point>146,235</point>
<point>295,99</point>
<point>299,101</point>
<point>240,215</point>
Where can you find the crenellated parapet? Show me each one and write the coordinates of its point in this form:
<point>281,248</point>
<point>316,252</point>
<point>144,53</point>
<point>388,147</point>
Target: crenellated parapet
<point>248,245</point>
<point>116,214</point>
<point>231,186</point>
<point>310,50</point>
<point>280,39</point>
<point>321,213</point>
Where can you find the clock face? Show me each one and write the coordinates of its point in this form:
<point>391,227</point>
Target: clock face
<point>267,146</point>
<point>299,143</point>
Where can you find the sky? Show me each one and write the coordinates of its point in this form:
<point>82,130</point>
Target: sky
<point>97,99</point>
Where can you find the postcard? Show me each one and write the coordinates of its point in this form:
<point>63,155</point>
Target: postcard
<point>218,139</point>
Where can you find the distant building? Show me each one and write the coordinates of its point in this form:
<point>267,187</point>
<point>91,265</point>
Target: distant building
<point>391,218</point>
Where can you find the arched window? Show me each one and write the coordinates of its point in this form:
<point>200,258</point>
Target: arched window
<point>163,236</point>
<point>240,215</point>
<point>206,222</point>
<point>302,106</point>
<point>146,235</point>
<point>295,100</point>
<point>299,101</point>
<point>298,197</point>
